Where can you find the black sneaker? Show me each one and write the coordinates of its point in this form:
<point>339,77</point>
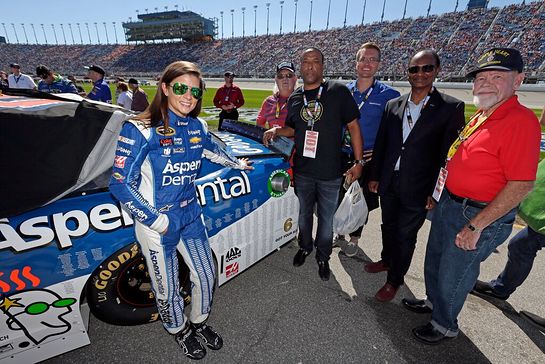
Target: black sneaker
<point>299,258</point>
<point>323,270</point>
<point>193,349</point>
<point>208,336</point>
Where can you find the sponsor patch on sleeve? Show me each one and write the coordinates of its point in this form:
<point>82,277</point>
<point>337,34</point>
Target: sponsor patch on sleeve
<point>119,161</point>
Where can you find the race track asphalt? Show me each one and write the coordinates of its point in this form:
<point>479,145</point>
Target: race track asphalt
<point>276,313</point>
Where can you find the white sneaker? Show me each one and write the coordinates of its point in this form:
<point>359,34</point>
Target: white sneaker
<point>351,248</point>
<point>339,240</point>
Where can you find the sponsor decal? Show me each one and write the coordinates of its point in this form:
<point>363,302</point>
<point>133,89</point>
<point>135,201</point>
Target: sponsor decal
<point>232,254</point>
<point>39,314</point>
<point>288,224</point>
<point>182,123</point>
<point>166,208</point>
<point>40,231</point>
<point>237,145</point>
<point>278,178</point>
<point>195,140</point>
<point>126,140</point>
<point>119,161</point>
<point>166,152</point>
<point>194,132</point>
<point>166,132</point>
<point>136,212</point>
<point>197,146</point>
<point>231,270</point>
<point>164,310</point>
<point>157,272</point>
<point>165,142</point>
<point>225,189</point>
<point>118,176</point>
<point>181,168</point>
<point>178,141</point>
<point>14,278</point>
<point>100,281</point>
<point>123,150</point>
<point>178,150</point>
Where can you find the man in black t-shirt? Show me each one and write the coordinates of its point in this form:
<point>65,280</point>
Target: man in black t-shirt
<point>317,113</point>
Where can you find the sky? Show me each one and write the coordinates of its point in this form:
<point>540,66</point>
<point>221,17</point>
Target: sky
<point>65,12</point>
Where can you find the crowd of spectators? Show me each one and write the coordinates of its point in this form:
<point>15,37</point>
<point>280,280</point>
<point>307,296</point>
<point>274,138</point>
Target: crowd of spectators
<point>457,37</point>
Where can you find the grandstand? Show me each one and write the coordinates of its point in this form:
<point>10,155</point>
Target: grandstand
<point>458,37</point>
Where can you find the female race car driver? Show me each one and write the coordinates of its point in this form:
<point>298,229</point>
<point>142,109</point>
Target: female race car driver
<point>157,160</point>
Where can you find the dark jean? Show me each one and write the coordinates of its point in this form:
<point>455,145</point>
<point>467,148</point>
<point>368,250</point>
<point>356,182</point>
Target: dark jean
<point>523,248</point>
<point>450,272</point>
<point>323,194</point>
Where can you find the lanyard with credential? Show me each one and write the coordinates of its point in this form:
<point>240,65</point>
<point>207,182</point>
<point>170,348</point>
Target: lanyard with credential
<point>472,125</point>
<point>312,115</point>
<point>366,95</point>
<point>278,108</point>
<point>408,109</point>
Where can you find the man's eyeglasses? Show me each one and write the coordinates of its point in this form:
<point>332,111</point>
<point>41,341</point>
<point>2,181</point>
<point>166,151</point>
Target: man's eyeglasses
<point>426,68</point>
<point>181,88</point>
<point>281,76</point>
<point>369,59</point>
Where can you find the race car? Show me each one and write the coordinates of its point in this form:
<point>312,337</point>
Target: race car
<point>67,246</point>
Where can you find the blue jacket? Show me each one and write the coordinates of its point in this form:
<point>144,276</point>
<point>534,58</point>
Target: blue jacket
<point>154,172</point>
<point>101,92</point>
<point>59,85</point>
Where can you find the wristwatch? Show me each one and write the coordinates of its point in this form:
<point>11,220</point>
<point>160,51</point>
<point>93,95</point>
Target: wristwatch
<point>473,228</point>
<point>359,161</point>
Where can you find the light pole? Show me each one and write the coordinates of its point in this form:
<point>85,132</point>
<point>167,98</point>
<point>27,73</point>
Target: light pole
<point>88,32</point>
<point>106,31</point>
<point>221,13</point>
<point>243,22</point>
<point>429,8</point>
<point>71,32</point>
<point>45,36</point>
<point>63,34</point>
<point>232,23</point>
<point>34,31</point>
<point>255,20</point>
<point>98,36</point>
<point>310,17</point>
<point>24,31</point>
<point>281,11</point>
<point>345,12</point>
<point>268,6</point>
<point>383,7</point>
<point>55,34</point>
<point>404,10</point>
<point>363,13</point>
<point>115,33</point>
<point>456,6</point>
<point>295,18</point>
<point>15,32</point>
<point>80,37</point>
<point>5,32</point>
<point>328,9</point>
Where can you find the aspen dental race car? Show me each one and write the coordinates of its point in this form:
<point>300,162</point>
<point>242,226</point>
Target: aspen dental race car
<point>67,246</point>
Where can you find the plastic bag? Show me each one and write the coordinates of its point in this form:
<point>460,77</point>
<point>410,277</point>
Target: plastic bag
<point>352,211</point>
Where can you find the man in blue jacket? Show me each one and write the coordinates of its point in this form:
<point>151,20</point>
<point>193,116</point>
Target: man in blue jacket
<point>101,89</point>
<point>53,83</point>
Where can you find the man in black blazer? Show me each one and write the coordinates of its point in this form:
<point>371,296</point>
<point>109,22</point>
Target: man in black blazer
<point>415,134</point>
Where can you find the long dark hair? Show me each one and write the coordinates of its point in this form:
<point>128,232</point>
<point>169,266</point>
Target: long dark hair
<point>158,109</point>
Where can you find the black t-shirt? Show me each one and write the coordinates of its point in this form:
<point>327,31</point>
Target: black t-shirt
<point>336,109</point>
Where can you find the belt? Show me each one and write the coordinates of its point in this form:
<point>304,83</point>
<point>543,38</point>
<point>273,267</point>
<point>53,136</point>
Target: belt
<point>467,201</point>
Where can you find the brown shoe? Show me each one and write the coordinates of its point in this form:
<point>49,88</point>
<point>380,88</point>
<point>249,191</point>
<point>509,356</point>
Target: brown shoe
<point>376,267</point>
<point>386,293</point>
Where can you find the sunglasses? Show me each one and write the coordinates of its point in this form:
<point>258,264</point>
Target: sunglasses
<point>282,76</point>
<point>181,88</point>
<point>426,68</point>
<point>369,59</point>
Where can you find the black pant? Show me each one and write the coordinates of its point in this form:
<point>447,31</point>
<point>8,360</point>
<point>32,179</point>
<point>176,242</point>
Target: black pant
<point>229,115</point>
<point>400,225</point>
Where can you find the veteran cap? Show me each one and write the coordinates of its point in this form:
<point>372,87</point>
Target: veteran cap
<point>501,59</point>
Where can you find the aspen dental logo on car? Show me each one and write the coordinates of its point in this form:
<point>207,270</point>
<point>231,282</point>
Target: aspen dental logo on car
<point>278,183</point>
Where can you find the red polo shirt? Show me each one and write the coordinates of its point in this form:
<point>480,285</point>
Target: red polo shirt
<point>504,148</point>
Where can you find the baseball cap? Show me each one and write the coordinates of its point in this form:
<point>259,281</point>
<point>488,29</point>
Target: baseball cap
<point>501,59</point>
<point>14,65</point>
<point>229,73</point>
<point>133,81</point>
<point>285,65</point>
<point>96,68</point>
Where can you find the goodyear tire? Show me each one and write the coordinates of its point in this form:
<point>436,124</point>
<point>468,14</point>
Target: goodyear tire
<point>119,290</point>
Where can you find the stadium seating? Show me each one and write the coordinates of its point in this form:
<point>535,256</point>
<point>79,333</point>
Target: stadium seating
<point>458,37</point>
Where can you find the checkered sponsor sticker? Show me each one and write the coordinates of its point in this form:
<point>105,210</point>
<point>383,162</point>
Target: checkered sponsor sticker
<point>119,161</point>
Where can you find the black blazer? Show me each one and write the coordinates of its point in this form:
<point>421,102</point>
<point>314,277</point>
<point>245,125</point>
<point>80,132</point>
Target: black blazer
<point>423,153</point>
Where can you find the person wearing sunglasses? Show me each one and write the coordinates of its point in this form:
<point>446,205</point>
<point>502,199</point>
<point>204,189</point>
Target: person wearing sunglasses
<point>53,83</point>
<point>414,136</point>
<point>157,161</point>
<point>228,98</point>
<point>274,109</point>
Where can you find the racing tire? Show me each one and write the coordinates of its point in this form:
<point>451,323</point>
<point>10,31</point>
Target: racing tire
<point>119,290</point>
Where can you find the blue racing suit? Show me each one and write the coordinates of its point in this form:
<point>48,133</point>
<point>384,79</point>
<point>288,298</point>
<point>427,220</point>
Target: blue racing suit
<point>101,92</point>
<point>59,85</point>
<point>153,176</point>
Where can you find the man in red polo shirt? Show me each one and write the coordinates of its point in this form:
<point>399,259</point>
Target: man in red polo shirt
<point>490,169</point>
<point>228,98</point>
